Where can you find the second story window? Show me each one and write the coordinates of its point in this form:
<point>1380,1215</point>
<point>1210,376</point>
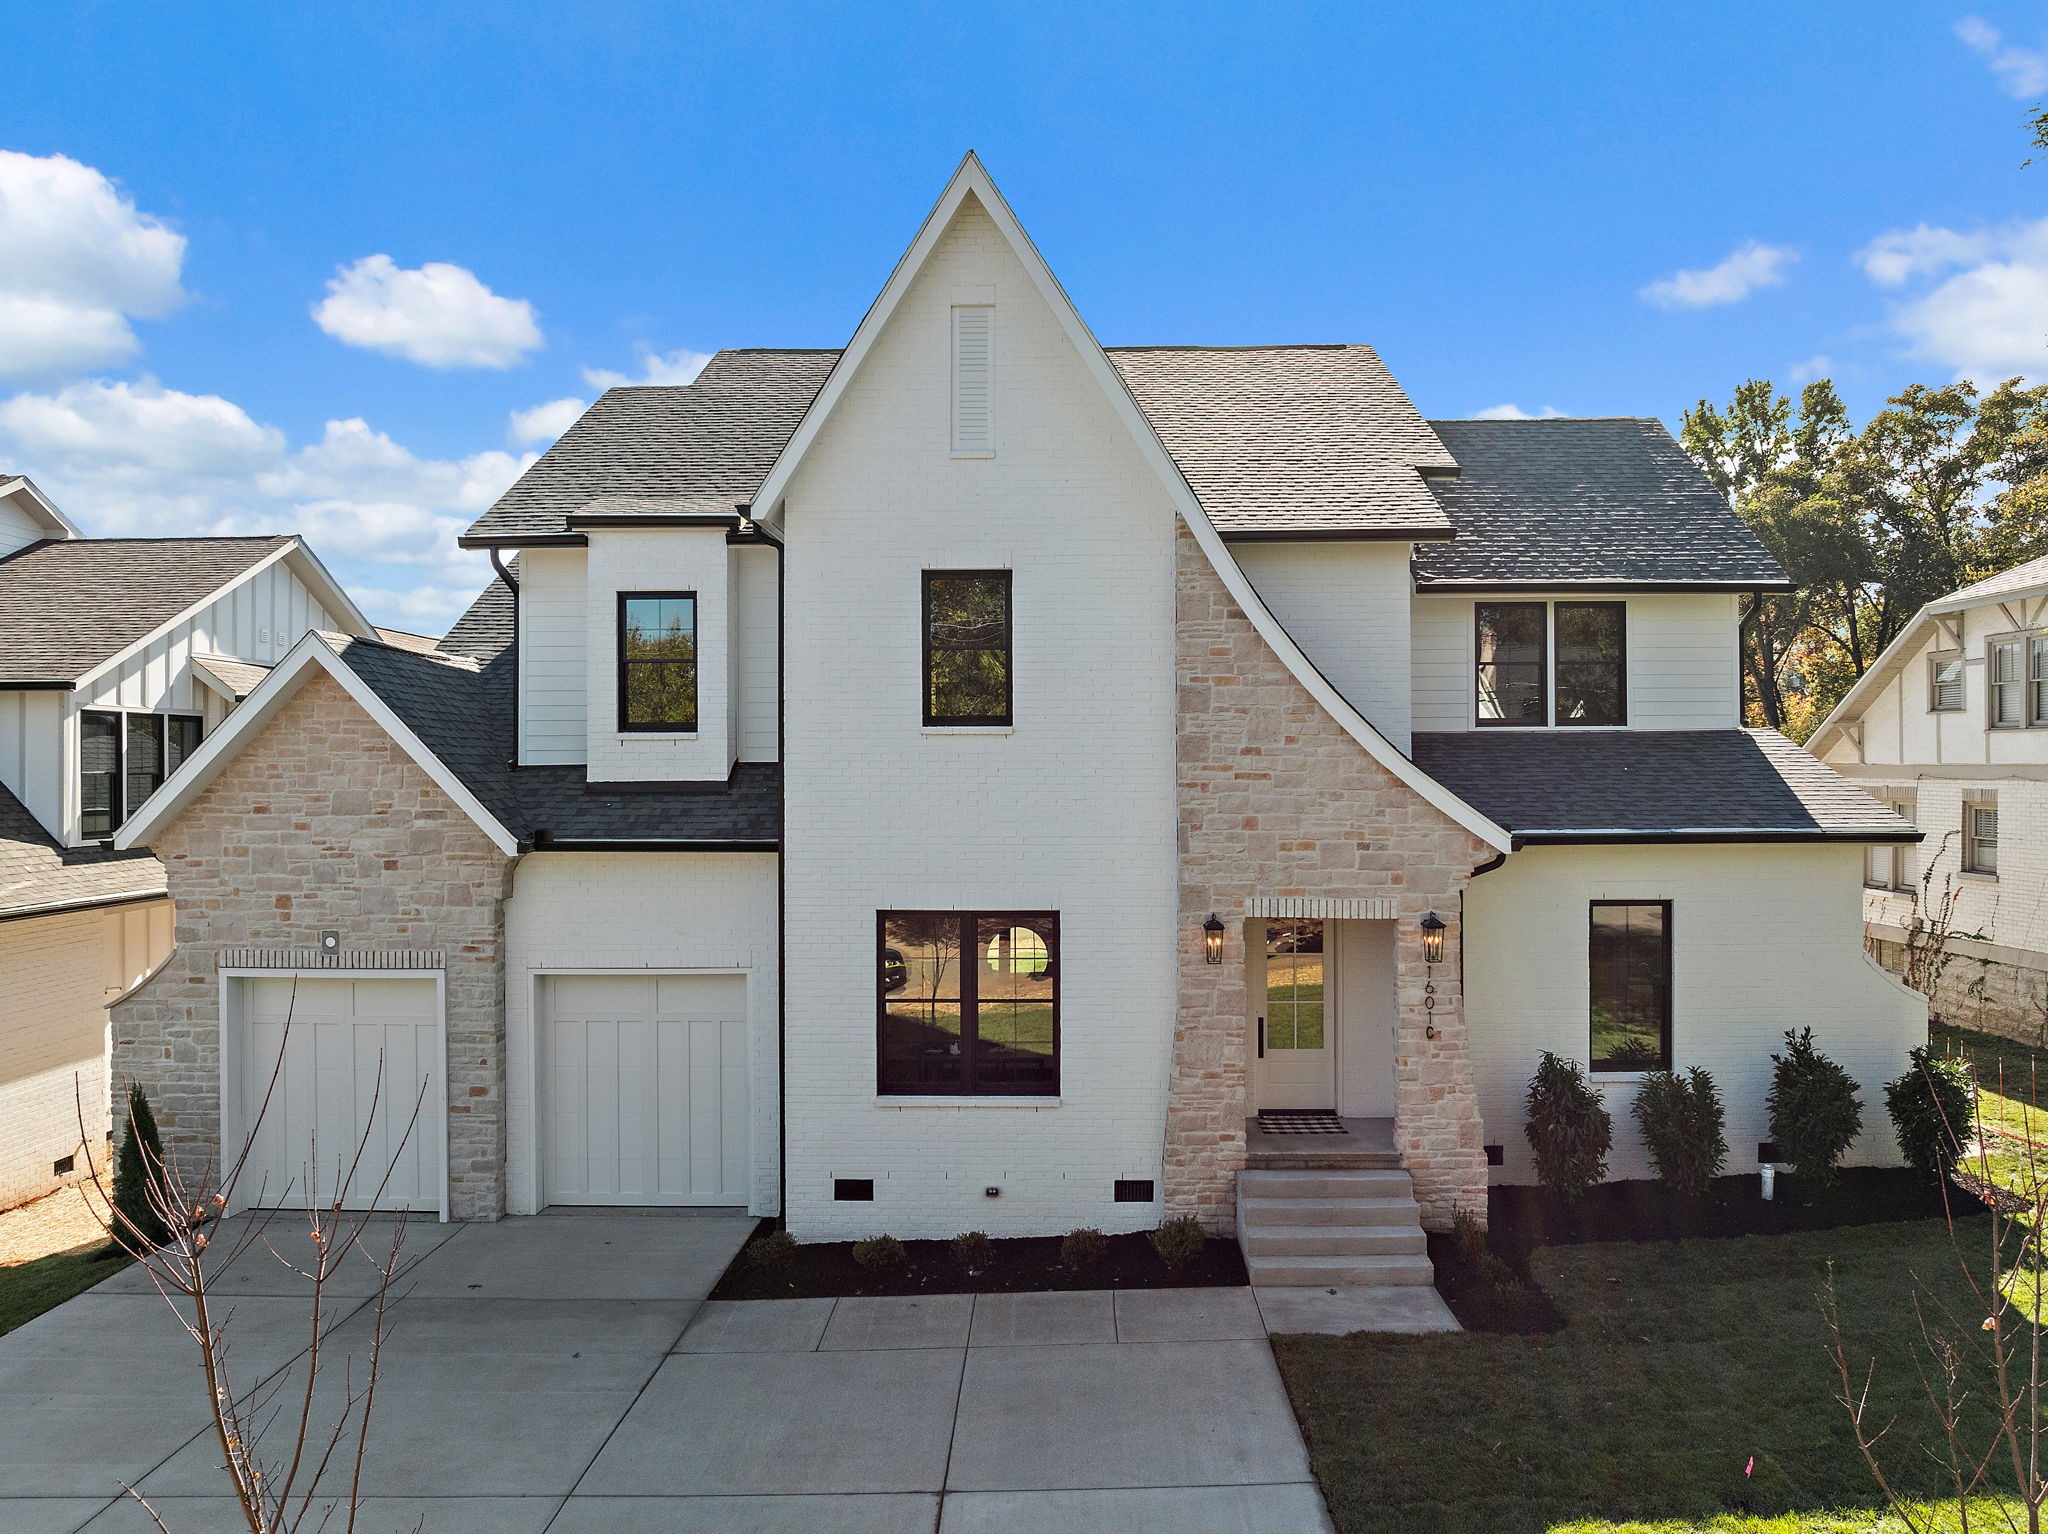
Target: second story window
<point>1592,669</point>
<point>658,661</point>
<point>966,647</point>
<point>2008,684</point>
<point>1539,663</point>
<point>1945,684</point>
<point>123,758</point>
<point>1513,663</point>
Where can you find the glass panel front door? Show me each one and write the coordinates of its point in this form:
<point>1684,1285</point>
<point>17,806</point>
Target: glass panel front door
<point>1299,1017</point>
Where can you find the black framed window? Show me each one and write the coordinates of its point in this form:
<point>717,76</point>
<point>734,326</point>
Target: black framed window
<point>966,647</point>
<point>967,1003</point>
<point>142,759</point>
<point>99,772</point>
<point>123,758</point>
<point>1630,991</point>
<point>1592,663</point>
<point>1513,663</point>
<point>182,734</point>
<point>658,660</point>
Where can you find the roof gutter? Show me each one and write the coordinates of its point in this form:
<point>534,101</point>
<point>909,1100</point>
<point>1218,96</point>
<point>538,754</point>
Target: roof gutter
<point>1615,837</point>
<point>1425,585</point>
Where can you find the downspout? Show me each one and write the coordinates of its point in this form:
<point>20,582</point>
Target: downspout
<point>1749,619</point>
<point>498,564</point>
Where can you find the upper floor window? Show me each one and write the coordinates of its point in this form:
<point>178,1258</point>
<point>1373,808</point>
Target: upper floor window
<point>658,660</point>
<point>966,647</point>
<point>123,758</point>
<point>968,1003</point>
<point>1945,683</point>
<point>1630,985</point>
<point>2008,684</point>
<point>1516,678</point>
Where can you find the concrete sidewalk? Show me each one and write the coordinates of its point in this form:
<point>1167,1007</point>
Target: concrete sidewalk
<point>563,1373</point>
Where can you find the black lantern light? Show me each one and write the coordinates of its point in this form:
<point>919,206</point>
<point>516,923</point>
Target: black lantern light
<point>1212,938</point>
<point>1432,938</point>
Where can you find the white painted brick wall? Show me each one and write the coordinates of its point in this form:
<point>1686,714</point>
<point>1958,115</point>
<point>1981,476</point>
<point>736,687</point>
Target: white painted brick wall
<point>1764,938</point>
<point>587,911</point>
<point>1074,811</point>
<point>1347,605</point>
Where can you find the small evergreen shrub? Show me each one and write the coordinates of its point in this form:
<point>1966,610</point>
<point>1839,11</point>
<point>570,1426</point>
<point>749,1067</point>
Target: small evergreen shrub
<point>772,1252</point>
<point>1468,1237</point>
<point>1179,1241</point>
<point>139,1161</point>
<point>972,1250</point>
<point>1815,1113</point>
<point>878,1254</point>
<point>1568,1129</point>
<point>1083,1248</point>
<point>1683,1126</point>
<point>1934,1109</point>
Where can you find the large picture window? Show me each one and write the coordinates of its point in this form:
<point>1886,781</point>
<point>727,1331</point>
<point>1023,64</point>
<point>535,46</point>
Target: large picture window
<point>1513,663</point>
<point>1630,952</point>
<point>658,661</point>
<point>968,1003</point>
<point>1592,670</point>
<point>966,647</point>
<point>123,758</point>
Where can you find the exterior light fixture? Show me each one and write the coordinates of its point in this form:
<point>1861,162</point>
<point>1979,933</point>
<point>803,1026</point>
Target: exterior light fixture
<point>1212,938</point>
<point>1432,938</point>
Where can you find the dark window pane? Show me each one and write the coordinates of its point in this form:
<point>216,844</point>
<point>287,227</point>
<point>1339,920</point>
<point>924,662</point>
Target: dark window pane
<point>968,1003</point>
<point>1630,991</point>
<point>1591,663</point>
<point>658,662</point>
<point>144,753</point>
<point>1015,1042</point>
<point>1511,663</point>
<point>99,772</point>
<point>183,740</point>
<point>967,647</point>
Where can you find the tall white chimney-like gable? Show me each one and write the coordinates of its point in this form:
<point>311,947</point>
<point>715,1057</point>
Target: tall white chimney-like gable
<point>973,368</point>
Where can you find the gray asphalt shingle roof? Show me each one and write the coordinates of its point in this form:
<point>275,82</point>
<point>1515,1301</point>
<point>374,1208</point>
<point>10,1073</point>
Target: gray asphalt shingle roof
<point>69,604</point>
<point>1563,501</point>
<point>36,872</point>
<point>1577,785</point>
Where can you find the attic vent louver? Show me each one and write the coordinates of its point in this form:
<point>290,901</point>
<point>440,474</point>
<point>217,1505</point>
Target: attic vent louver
<point>973,345</point>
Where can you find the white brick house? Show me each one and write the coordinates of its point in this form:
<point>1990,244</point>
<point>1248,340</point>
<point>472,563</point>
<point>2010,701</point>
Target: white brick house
<point>117,656</point>
<point>965,779</point>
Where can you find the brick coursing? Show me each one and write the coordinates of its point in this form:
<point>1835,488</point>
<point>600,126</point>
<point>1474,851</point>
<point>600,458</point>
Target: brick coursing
<point>1276,799</point>
<point>324,823</point>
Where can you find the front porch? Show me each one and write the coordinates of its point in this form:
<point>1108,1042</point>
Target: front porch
<point>1367,1144</point>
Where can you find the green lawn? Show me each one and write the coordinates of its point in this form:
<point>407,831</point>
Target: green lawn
<point>1682,1360</point>
<point>28,1289</point>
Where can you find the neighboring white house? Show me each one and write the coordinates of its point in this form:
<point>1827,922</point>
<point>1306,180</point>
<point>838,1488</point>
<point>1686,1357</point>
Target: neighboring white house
<point>1950,727</point>
<point>974,779</point>
<point>117,658</point>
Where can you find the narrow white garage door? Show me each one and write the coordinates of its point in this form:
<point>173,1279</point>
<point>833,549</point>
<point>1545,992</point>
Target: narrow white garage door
<point>333,1035</point>
<point>643,1089</point>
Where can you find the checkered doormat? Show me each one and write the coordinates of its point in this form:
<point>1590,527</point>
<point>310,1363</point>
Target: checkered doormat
<point>1288,1121</point>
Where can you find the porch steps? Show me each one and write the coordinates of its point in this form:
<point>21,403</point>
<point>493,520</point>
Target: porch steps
<point>1331,1227</point>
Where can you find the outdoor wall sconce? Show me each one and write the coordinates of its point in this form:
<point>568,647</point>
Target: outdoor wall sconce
<point>1432,938</point>
<point>1212,938</point>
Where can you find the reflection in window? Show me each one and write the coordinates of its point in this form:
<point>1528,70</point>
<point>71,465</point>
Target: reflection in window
<point>1630,987</point>
<point>1592,685</point>
<point>1945,683</point>
<point>1294,985</point>
<point>1511,663</point>
<point>966,647</point>
<point>99,772</point>
<point>658,661</point>
<point>988,1025</point>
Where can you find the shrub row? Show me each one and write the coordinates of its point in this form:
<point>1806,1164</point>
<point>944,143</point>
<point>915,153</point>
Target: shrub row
<point>1815,1116</point>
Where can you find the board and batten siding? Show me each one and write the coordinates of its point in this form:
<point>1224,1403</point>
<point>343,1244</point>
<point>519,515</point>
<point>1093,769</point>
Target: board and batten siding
<point>553,641</point>
<point>18,529</point>
<point>1682,661</point>
<point>32,753</point>
<point>1347,606</point>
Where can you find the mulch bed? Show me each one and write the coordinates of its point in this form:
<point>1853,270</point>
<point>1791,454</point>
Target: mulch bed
<point>1018,1264</point>
<point>1478,1301</point>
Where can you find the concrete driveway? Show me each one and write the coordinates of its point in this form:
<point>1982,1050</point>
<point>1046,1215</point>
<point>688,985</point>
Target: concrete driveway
<point>563,1373</point>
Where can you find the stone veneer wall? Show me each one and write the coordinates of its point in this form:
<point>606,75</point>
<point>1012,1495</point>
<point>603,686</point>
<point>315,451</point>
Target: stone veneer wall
<point>1277,800</point>
<point>322,822</point>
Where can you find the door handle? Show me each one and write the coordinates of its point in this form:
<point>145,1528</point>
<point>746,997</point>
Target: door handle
<point>1262,1038</point>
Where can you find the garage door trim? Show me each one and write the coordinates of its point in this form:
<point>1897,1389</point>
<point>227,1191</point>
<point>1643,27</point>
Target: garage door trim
<point>432,1128</point>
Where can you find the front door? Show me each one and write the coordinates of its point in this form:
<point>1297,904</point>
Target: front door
<point>1295,1016</point>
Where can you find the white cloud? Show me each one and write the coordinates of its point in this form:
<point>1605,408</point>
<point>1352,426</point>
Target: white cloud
<point>437,315</point>
<point>2023,72</point>
<point>1975,301</point>
<point>677,367</point>
<point>77,261</point>
<point>1513,412</point>
<point>143,460</point>
<point>1728,281</point>
<point>544,423</point>
<point>1819,365</point>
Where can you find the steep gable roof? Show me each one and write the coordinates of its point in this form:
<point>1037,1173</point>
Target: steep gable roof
<point>1568,502</point>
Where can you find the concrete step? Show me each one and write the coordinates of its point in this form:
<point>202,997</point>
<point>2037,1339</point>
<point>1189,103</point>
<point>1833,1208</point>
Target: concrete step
<point>1341,1271</point>
<point>1329,1211</point>
<point>1326,1182</point>
<point>1283,1241</point>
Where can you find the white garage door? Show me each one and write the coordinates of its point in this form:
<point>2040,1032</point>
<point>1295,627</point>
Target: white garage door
<point>643,1089</point>
<point>334,1036</point>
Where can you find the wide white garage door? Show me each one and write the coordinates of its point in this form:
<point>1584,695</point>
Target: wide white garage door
<point>358,1057</point>
<point>643,1089</point>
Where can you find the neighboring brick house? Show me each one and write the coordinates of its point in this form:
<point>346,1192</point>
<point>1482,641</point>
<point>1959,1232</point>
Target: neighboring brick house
<point>117,656</point>
<point>1949,726</point>
<point>975,779</point>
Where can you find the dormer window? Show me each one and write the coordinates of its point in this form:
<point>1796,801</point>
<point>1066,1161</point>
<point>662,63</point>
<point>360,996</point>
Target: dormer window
<point>1519,683</point>
<point>658,661</point>
<point>123,758</point>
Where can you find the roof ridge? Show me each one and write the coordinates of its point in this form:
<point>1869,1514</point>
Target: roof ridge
<point>458,662</point>
<point>1246,346</point>
<point>1537,420</point>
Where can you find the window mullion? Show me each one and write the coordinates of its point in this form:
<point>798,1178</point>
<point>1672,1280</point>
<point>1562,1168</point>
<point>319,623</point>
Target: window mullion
<point>970,1005</point>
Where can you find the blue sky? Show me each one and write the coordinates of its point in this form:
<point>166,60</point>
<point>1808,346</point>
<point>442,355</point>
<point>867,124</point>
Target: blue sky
<point>1589,209</point>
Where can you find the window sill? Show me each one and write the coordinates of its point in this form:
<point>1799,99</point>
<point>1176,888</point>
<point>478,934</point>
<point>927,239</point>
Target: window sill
<point>966,1102</point>
<point>627,737</point>
<point>965,456</point>
<point>1978,874</point>
<point>967,729</point>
